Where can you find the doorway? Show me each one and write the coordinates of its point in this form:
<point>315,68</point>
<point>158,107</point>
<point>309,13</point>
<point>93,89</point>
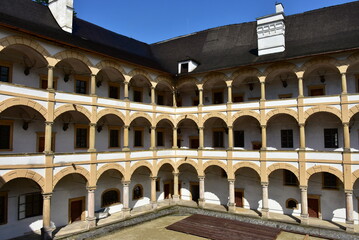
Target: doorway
<point>76,209</point>
<point>194,189</point>
<point>238,197</point>
<point>313,207</point>
<point>168,189</point>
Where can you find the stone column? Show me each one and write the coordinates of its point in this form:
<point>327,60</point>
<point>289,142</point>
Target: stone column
<point>344,83</point>
<point>304,205</point>
<point>46,230</point>
<point>126,198</point>
<point>48,137</point>
<point>126,91</point>
<point>153,193</point>
<point>91,219</point>
<point>300,87</point>
<point>174,99</point>
<point>50,78</point>
<point>229,94</point>
<point>302,136</point>
<point>231,202</point>
<point>93,84</point>
<point>264,137</point>
<point>265,208</point>
<point>201,137</point>
<point>153,138</point>
<point>263,91</point>
<point>200,98</point>
<point>349,210</point>
<point>125,138</point>
<point>201,199</point>
<point>174,145</point>
<point>153,95</point>
<point>230,137</point>
<point>92,138</point>
<point>346,136</point>
<point>175,196</point>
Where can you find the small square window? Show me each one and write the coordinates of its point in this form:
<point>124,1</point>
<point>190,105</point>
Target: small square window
<point>331,138</point>
<point>4,73</point>
<point>184,68</point>
<point>330,181</point>
<point>81,86</point>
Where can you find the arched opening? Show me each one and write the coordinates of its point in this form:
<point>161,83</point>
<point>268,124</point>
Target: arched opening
<point>283,181</point>
<point>188,179</point>
<point>23,65</point>
<point>187,94</point>
<point>354,132</point>
<point>283,132</point>
<point>281,84</point>
<point>109,133</point>
<point>68,202</point>
<point>21,206</point>
<point>216,186</point>
<point>248,191</point>
<point>71,125</point>
<point>22,130</point>
<point>353,78</point>
<point>322,80</point>
<point>165,184</point>
<point>140,89</point>
<point>323,187</point>
<point>109,83</point>
<point>215,133</point>
<point>324,131</point>
<point>140,134</point>
<point>246,89</point>
<point>215,92</point>
<point>187,134</point>
<point>109,191</point>
<point>73,76</point>
<point>164,134</point>
<point>164,94</point>
<point>140,189</point>
<point>247,133</point>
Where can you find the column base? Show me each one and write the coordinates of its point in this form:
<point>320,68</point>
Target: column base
<point>91,222</point>
<point>304,219</point>
<point>125,149</point>
<point>46,233</point>
<point>153,148</point>
<point>175,148</point>
<point>265,213</point>
<point>349,226</point>
<point>91,150</point>
<point>201,203</point>
<point>126,212</point>
<point>154,205</point>
<point>175,198</point>
<point>232,207</point>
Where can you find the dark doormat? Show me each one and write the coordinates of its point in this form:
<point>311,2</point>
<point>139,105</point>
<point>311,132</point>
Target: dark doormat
<point>223,229</point>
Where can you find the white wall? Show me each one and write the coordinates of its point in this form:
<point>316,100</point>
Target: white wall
<point>216,188</point>
<point>140,176</point>
<point>248,180</point>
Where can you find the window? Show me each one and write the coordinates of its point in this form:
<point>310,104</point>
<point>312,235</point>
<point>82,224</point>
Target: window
<point>138,132</point>
<point>81,136</point>
<point>43,82</point>
<point>3,208</point>
<point>114,137</point>
<point>30,205</point>
<point>330,137</point>
<point>238,98</point>
<point>80,85</point>
<point>160,138</point>
<point>160,99</point>
<point>256,145</point>
<point>290,179</point>
<point>137,94</point>
<point>114,91</point>
<point>6,128</point>
<point>194,142</point>
<point>286,136</point>
<point>40,146</point>
<point>316,90</point>
<point>218,138</point>
<point>291,203</point>
<point>239,139</point>
<point>330,181</point>
<point>137,192</point>
<point>218,97</point>
<point>5,72</point>
<point>109,197</point>
<point>184,68</point>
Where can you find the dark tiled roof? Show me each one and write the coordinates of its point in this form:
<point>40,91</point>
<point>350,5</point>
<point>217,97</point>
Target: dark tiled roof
<point>319,31</point>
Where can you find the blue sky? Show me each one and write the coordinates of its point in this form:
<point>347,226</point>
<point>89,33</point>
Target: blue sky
<point>157,20</point>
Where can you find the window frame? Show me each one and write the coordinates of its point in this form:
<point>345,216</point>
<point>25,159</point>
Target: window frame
<point>20,203</point>
<point>83,79</point>
<point>141,129</point>
<point>217,130</point>
<point>190,138</point>
<point>9,66</point>
<point>158,185</point>
<point>237,96</point>
<point>116,85</point>
<point>330,141</point>
<point>82,126</point>
<point>216,91</point>
<point>286,141</point>
<point>234,138</point>
<point>137,89</point>
<point>6,200</point>
<point>114,203</point>
<point>315,87</point>
<point>285,96</point>
<point>133,192</point>
<point>111,128</point>
<point>162,131</point>
<point>329,187</point>
<point>11,137</point>
<point>290,175</point>
<point>291,199</point>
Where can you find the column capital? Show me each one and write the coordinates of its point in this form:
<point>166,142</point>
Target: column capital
<point>201,178</point>
<point>346,124</point>
<point>125,183</point>
<point>176,174</point>
<point>154,178</point>
<point>47,195</point>
<point>229,127</point>
<point>153,127</point>
<point>348,192</point>
<point>264,184</point>
<point>301,124</point>
<point>175,128</point>
<point>303,188</point>
<point>91,188</point>
<point>231,180</point>
<point>50,67</point>
<point>200,128</point>
<point>263,126</point>
<point>126,126</point>
<point>92,124</point>
<point>49,123</point>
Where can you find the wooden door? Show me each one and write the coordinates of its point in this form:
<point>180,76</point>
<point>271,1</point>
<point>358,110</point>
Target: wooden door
<point>77,207</point>
<point>195,191</point>
<point>167,190</point>
<point>238,196</point>
<point>313,207</point>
